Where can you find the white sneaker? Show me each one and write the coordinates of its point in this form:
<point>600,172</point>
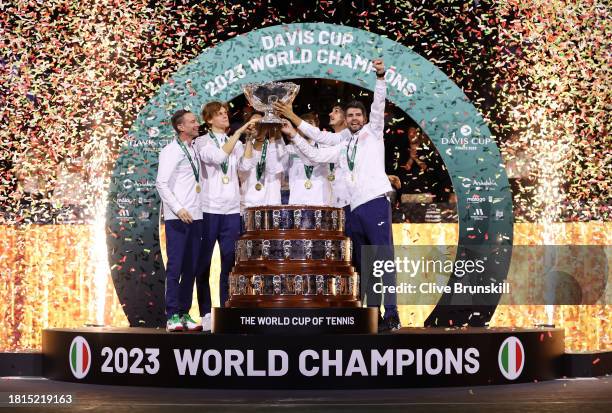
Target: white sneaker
<point>206,322</point>
<point>174,323</point>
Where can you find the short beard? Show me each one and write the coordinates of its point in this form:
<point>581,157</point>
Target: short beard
<point>358,128</point>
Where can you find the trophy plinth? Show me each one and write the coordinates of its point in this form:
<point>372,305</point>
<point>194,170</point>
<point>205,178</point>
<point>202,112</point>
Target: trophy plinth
<point>294,262</point>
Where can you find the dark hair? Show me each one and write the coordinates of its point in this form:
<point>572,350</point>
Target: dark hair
<point>312,118</point>
<point>357,105</point>
<point>177,118</point>
<point>248,114</point>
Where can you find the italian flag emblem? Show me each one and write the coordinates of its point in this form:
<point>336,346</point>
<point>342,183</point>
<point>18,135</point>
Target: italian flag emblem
<point>511,358</point>
<point>80,357</point>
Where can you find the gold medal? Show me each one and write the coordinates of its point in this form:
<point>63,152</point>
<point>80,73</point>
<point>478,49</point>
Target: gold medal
<point>308,184</point>
<point>198,188</point>
<point>258,186</point>
<point>225,179</point>
<point>353,177</point>
<point>331,177</point>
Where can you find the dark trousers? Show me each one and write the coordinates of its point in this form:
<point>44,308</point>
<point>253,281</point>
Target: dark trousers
<point>370,224</point>
<point>183,244</point>
<point>225,229</point>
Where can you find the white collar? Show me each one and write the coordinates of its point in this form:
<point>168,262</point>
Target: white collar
<point>217,134</point>
<point>188,145</point>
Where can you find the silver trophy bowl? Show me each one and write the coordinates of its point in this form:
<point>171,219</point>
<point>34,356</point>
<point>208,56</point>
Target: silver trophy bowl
<point>263,95</point>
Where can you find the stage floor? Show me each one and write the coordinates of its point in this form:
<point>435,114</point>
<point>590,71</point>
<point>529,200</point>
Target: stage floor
<point>584,395</point>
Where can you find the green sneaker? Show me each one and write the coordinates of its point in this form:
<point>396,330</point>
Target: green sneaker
<point>190,324</point>
<point>174,323</point>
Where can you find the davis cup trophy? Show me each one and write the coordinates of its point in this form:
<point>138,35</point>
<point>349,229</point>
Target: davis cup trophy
<point>263,95</point>
<point>293,262</point>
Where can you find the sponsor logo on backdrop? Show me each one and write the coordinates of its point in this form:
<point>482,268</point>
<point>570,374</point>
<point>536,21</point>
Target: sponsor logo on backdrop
<point>485,184</point>
<point>511,358</point>
<point>148,145</point>
<point>466,142</point>
<point>476,199</point>
<point>145,201</point>
<point>124,215</point>
<point>478,214</point>
<point>139,185</point>
<point>124,202</point>
<point>153,132</point>
<point>479,184</point>
<point>128,184</point>
<point>79,356</point>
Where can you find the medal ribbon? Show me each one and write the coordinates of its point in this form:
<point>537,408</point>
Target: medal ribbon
<point>261,165</point>
<point>224,164</point>
<point>308,169</point>
<point>350,160</point>
<point>196,171</point>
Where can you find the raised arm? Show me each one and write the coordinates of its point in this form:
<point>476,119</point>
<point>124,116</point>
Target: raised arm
<point>247,161</point>
<point>318,155</point>
<point>210,153</point>
<point>311,153</point>
<point>377,110</point>
<point>314,133</point>
<point>324,137</point>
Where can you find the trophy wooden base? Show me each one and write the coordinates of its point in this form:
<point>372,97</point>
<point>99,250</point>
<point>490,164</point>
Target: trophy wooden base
<point>294,258</point>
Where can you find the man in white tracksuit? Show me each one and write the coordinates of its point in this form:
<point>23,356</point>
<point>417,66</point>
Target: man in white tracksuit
<point>222,158</point>
<point>361,149</point>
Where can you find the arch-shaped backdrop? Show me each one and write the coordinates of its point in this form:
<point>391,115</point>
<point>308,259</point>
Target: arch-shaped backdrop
<point>311,50</point>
